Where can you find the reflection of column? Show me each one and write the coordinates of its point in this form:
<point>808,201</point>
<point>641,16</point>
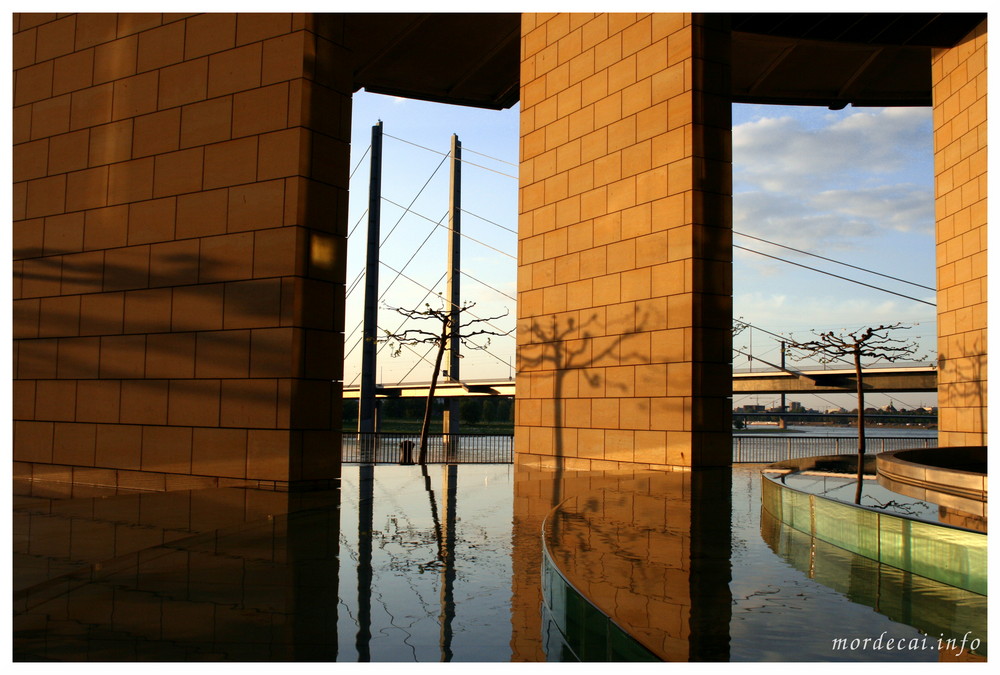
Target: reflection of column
<point>450,478</point>
<point>711,566</point>
<point>533,491</point>
<point>650,551</point>
<point>366,486</point>
<point>313,545</point>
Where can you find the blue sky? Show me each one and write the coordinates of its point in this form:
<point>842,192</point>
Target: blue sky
<point>854,185</point>
<point>415,175</point>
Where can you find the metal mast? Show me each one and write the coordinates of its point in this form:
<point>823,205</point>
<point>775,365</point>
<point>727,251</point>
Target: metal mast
<point>454,280</point>
<point>366,404</point>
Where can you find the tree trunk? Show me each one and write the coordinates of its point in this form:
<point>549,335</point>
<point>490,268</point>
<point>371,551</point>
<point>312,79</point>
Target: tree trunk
<point>425,427</point>
<point>861,427</point>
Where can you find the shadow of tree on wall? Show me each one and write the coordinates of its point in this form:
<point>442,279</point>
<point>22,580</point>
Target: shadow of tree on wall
<point>566,346</point>
<point>968,369</point>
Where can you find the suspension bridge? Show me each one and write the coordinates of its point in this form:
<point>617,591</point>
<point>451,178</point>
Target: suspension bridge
<point>369,384</point>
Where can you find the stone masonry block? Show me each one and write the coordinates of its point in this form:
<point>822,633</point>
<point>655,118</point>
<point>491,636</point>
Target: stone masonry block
<point>183,83</point>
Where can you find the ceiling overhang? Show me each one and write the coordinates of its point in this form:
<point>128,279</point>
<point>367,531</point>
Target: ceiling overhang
<point>836,60</point>
<point>795,59</point>
<point>464,59</point>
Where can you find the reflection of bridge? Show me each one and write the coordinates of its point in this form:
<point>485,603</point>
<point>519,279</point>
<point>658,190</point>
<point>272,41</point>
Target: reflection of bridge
<point>876,380</point>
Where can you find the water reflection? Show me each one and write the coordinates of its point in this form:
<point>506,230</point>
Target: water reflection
<point>375,573</point>
<point>934,609</point>
<point>437,563</point>
<point>253,591</point>
<point>650,550</point>
<point>430,559</point>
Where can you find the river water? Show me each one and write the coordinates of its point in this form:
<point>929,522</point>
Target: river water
<point>412,563</point>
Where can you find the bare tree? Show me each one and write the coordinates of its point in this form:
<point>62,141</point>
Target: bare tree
<point>868,343</point>
<point>468,335</point>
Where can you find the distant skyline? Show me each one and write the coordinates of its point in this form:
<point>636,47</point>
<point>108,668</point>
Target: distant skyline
<point>854,185</point>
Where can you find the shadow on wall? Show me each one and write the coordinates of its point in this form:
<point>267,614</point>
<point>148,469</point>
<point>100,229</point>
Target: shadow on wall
<point>963,372</point>
<point>179,334</point>
<point>567,348</point>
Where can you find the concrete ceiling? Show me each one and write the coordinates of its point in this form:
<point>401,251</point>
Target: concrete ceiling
<point>798,59</point>
<point>465,59</point>
<point>839,59</point>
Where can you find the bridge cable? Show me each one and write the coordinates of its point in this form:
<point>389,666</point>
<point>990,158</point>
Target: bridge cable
<point>838,262</point>
<point>406,209</point>
<point>497,159</point>
<point>399,220</point>
<point>853,281</point>
<point>448,154</point>
<point>358,165</point>
<point>488,286</point>
<point>414,281</point>
<point>481,243</point>
<point>502,227</point>
<point>361,274</point>
<point>398,274</point>
<point>396,278</point>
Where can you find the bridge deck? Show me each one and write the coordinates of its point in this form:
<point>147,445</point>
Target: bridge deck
<point>876,380</point>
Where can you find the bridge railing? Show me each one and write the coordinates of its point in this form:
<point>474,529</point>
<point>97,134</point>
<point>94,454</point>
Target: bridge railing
<point>397,448</point>
<point>768,448</point>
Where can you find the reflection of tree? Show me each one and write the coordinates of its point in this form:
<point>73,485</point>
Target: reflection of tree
<point>415,541</point>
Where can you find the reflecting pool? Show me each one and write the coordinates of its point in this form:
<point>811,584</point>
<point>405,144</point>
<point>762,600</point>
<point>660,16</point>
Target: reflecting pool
<point>405,563</point>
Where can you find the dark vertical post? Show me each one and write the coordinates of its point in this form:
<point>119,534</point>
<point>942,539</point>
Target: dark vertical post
<point>366,401</point>
<point>781,420</point>
<point>454,286</point>
<point>366,509</point>
<point>448,554</point>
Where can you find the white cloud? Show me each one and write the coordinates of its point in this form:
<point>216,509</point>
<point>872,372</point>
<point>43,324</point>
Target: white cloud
<point>791,154</point>
<point>832,181</point>
<point>796,220</point>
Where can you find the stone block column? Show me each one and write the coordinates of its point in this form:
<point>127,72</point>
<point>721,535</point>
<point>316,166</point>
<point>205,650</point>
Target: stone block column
<point>625,260</point>
<point>180,200</point>
<point>959,77</point>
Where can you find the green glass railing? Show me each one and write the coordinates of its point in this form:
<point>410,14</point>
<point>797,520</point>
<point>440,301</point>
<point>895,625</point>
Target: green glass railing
<point>947,554</point>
